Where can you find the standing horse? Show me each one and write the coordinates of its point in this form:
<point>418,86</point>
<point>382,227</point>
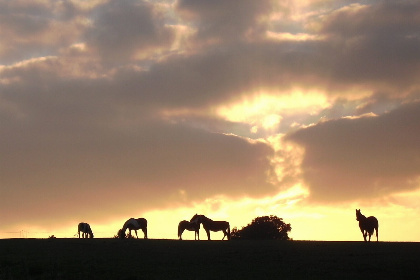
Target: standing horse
<point>191,226</point>
<point>85,229</point>
<point>210,225</point>
<point>134,224</point>
<point>367,225</point>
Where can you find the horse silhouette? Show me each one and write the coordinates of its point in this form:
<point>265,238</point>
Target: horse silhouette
<point>134,224</point>
<point>367,225</point>
<point>210,225</point>
<point>85,229</point>
<point>191,226</point>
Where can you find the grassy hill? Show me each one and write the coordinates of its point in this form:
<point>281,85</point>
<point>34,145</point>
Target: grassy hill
<point>174,259</point>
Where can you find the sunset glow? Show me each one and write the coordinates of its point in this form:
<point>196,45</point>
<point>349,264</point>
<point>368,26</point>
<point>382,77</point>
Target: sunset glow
<point>163,109</point>
<point>266,111</point>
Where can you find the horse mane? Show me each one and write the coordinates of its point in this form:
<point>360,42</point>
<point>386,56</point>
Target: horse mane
<point>200,218</point>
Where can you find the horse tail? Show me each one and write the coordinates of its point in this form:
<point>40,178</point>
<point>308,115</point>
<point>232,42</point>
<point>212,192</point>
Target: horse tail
<point>377,233</point>
<point>145,229</point>
<point>145,232</point>
<point>179,230</point>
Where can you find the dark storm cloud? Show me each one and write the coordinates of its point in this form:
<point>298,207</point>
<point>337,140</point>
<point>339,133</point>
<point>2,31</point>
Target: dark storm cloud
<point>123,28</point>
<point>374,44</point>
<point>224,20</point>
<point>368,157</point>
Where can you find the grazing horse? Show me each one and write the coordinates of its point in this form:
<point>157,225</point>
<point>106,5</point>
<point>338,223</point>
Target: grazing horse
<point>134,224</point>
<point>85,229</point>
<point>210,225</point>
<point>191,226</point>
<point>367,225</point>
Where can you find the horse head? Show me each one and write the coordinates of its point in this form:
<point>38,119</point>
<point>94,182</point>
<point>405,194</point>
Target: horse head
<point>358,215</point>
<point>121,233</point>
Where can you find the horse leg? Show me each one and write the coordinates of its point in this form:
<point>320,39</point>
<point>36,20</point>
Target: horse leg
<point>364,235</point>
<point>144,232</point>
<point>208,234</point>
<point>180,231</point>
<point>136,233</point>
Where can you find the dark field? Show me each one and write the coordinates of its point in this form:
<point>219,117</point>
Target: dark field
<point>174,259</point>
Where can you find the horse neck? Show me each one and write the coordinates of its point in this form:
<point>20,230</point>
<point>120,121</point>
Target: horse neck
<point>125,227</point>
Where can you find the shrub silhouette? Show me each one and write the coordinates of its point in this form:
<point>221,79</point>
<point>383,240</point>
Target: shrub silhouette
<point>263,228</point>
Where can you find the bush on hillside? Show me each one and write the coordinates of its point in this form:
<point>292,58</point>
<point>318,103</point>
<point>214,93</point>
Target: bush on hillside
<point>263,228</point>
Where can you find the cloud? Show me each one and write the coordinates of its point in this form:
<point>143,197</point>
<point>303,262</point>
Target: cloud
<point>149,167</point>
<point>82,142</point>
<point>31,29</point>
<point>124,30</point>
<point>377,50</point>
<point>224,20</point>
<point>367,157</point>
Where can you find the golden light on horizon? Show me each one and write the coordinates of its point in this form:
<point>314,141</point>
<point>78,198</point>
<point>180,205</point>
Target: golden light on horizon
<point>309,222</point>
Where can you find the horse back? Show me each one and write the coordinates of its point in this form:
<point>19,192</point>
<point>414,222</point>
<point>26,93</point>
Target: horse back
<point>216,225</point>
<point>183,223</point>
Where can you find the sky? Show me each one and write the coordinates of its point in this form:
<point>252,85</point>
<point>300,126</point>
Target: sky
<point>162,109</point>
